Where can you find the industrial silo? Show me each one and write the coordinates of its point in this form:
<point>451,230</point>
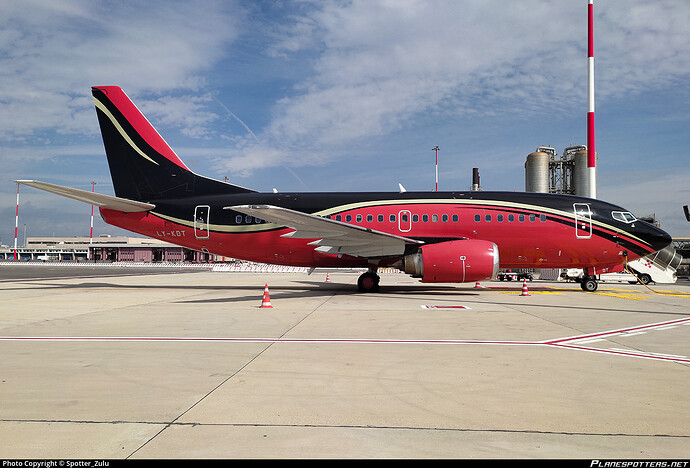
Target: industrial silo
<point>582,179</point>
<point>537,171</point>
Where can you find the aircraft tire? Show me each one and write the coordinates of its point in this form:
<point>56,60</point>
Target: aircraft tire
<point>368,282</point>
<point>589,284</point>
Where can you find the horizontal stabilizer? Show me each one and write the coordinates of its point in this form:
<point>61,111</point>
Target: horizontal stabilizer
<point>97,199</point>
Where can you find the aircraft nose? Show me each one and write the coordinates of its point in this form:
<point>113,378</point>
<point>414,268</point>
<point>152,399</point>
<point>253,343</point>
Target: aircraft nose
<point>659,238</point>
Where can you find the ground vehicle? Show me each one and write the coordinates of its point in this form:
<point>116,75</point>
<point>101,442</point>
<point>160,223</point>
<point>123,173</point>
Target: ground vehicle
<point>512,276</point>
<point>659,267</point>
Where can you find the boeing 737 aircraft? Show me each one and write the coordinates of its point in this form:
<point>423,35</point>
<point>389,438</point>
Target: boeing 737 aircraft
<point>449,237</point>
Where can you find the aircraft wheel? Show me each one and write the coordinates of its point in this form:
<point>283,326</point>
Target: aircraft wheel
<point>589,284</point>
<point>368,282</point>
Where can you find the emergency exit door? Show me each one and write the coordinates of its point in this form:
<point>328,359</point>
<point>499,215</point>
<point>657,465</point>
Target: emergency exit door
<point>583,220</point>
<point>201,219</point>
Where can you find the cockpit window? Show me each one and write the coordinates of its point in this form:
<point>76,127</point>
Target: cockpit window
<point>623,216</point>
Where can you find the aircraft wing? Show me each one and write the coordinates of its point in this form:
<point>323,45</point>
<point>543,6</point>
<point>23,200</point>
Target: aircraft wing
<point>102,201</point>
<point>332,237</point>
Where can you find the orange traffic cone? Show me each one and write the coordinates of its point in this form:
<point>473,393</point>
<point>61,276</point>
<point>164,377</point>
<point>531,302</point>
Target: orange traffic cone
<point>525,292</point>
<point>266,302</point>
<point>328,278</point>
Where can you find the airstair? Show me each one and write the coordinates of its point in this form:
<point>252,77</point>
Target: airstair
<point>659,267</point>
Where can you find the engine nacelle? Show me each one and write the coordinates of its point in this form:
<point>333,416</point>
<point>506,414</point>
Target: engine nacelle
<point>458,261</point>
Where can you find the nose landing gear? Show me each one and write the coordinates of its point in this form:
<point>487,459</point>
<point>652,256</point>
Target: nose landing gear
<point>589,281</point>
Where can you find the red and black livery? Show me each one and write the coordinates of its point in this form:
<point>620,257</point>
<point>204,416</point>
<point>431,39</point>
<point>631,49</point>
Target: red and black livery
<point>452,236</point>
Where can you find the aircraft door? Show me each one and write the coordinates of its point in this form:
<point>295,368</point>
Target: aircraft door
<point>201,218</point>
<point>583,220</point>
<point>404,221</point>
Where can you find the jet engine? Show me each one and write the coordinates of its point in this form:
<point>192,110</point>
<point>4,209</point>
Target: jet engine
<point>458,261</point>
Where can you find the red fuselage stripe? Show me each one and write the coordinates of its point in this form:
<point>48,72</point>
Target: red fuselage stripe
<point>528,244</point>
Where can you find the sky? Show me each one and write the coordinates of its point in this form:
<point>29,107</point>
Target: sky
<point>345,96</point>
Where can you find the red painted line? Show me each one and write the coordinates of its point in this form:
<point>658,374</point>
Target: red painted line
<point>557,343</point>
<point>256,340</point>
<point>614,332</point>
<point>622,353</point>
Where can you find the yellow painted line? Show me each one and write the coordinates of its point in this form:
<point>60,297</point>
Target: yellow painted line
<point>532,293</point>
<point>622,296</point>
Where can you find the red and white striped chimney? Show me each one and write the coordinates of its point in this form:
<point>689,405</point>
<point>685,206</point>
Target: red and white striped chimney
<point>591,150</point>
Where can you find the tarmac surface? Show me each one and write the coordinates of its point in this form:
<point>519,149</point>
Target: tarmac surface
<point>170,365</point>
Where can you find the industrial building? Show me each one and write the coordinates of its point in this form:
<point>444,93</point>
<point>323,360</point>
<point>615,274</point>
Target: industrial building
<point>548,172</point>
<point>103,248</point>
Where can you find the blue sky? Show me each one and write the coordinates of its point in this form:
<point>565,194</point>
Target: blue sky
<point>346,95</point>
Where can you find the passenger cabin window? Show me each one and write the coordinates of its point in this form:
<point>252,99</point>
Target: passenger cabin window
<point>415,218</point>
<point>380,218</point>
<point>455,218</point>
<point>370,218</point>
<point>542,218</point>
<point>487,218</point>
<point>532,218</point>
<point>444,218</point>
<point>348,218</point>
<point>511,218</point>
<point>434,218</point>
<point>477,218</point>
<point>238,219</point>
<point>499,218</point>
<point>521,218</point>
<point>623,216</point>
<point>359,218</point>
<point>425,218</point>
<point>392,218</point>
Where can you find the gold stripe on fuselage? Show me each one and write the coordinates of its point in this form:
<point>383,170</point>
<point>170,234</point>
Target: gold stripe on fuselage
<point>419,201</point>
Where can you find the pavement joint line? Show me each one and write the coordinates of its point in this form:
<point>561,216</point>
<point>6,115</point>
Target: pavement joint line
<point>344,426</point>
<point>230,377</point>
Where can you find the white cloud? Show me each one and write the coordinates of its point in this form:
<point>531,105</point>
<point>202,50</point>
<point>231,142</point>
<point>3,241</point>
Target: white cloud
<point>52,52</point>
<point>662,194</point>
<point>378,64</point>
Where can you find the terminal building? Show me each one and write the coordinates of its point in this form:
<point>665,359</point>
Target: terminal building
<point>104,249</point>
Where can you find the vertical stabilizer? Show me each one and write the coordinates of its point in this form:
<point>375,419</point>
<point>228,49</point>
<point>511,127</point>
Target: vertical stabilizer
<point>142,165</point>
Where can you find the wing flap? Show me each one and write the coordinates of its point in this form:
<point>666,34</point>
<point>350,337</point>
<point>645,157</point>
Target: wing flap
<point>97,199</point>
<point>331,236</point>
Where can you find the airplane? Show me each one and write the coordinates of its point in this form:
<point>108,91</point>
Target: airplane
<point>439,237</point>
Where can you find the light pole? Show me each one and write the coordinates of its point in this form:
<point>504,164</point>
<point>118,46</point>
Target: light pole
<point>16,224</point>
<point>436,148</point>
<point>93,189</point>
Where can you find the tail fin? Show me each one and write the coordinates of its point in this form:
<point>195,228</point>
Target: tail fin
<point>142,165</point>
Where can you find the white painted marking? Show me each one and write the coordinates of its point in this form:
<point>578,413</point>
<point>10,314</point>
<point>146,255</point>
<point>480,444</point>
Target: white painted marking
<point>633,333</point>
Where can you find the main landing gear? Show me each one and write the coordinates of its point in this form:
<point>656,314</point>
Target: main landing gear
<point>589,282</point>
<point>369,281</point>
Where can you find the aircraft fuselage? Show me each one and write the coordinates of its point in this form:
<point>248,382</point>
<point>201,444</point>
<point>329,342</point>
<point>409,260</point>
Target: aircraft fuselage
<point>531,230</point>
